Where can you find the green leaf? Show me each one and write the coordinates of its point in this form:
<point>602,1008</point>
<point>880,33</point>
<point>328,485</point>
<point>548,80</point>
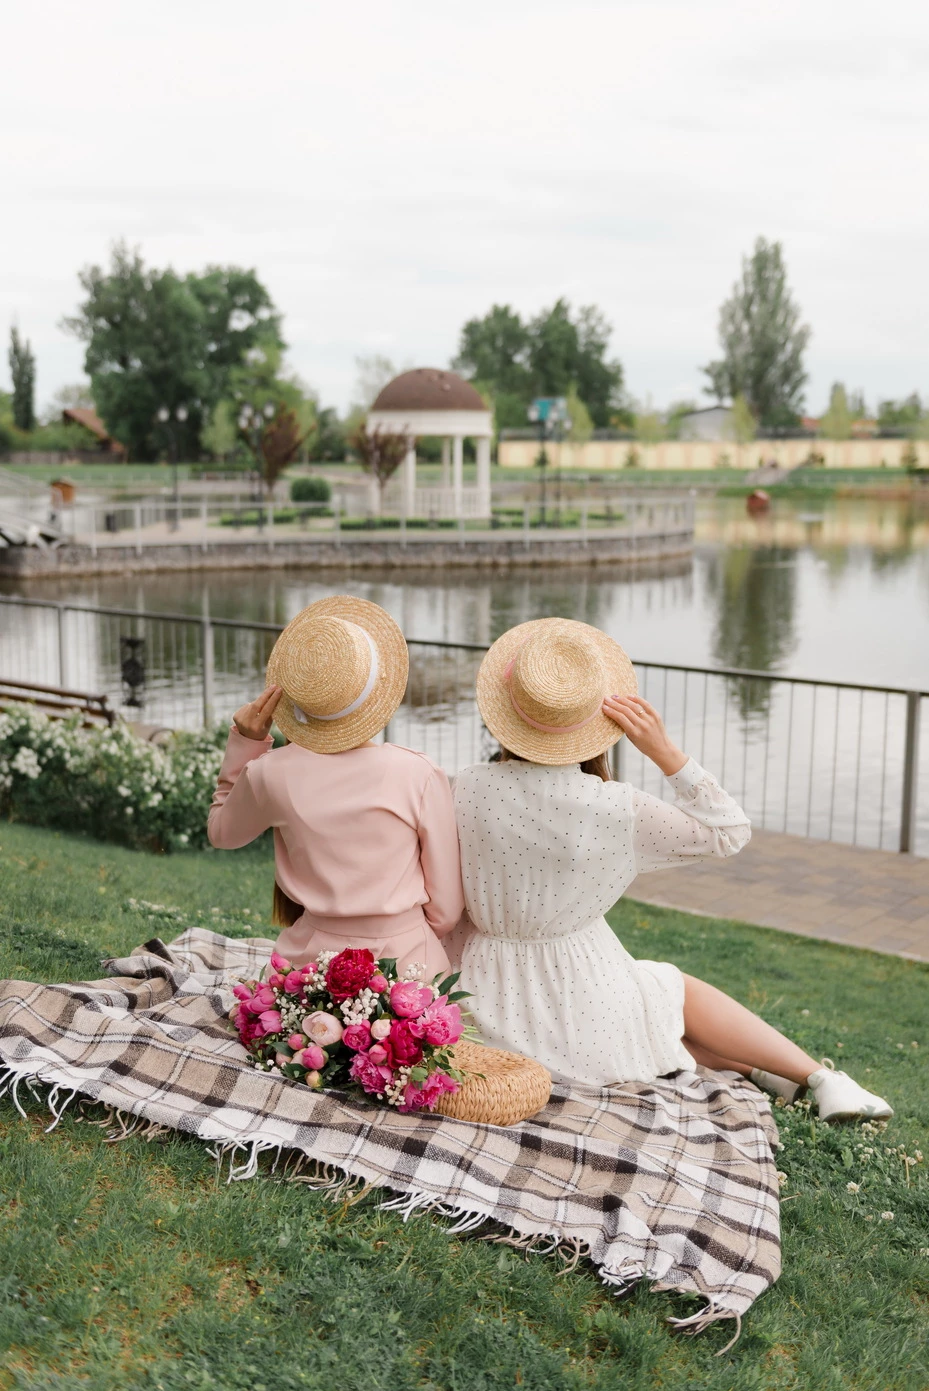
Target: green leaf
<point>459,995</point>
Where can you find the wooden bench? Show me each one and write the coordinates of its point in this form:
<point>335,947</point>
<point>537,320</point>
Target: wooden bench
<point>58,702</point>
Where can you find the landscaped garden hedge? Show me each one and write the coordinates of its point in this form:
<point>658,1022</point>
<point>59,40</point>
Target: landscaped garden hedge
<point>107,782</point>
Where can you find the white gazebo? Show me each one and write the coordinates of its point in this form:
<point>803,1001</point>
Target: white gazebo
<point>430,401</point>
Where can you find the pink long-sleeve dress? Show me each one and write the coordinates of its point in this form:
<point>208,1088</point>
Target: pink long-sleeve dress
<point>364,840</point>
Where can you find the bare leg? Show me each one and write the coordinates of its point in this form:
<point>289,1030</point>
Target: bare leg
<point>707,1058</point>
<point>717,1025</point>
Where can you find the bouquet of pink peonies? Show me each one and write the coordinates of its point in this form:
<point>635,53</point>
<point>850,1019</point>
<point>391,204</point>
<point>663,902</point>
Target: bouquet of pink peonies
<point>348,1021</point>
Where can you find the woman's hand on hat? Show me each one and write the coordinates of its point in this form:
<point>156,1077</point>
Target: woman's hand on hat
<point>644,728</point>
<point>254,719</point>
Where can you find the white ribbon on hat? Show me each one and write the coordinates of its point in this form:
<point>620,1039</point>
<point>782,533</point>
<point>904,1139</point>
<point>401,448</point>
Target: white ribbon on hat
<point>303,718</point>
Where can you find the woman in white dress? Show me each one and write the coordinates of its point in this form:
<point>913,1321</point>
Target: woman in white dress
<point>549,843</point>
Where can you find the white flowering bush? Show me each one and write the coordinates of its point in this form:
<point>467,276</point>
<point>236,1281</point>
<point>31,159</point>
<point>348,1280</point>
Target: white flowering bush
<point>106,781</point>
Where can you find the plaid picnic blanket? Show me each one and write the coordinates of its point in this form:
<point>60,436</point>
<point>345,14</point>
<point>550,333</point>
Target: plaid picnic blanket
<point>670,1181</point>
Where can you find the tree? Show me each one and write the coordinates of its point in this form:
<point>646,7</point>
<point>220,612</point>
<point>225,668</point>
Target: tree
<point>674,415</point>
<point>763,341</point>
<point>649,427</point>
<point>494,350</point>
<point>281,442</point>
<point>582,427</point>
<point>374,372</point>
<point>836,424</point>
<point>22,370</point>
<point>565,350</point>
<point>157,339</point>
<point>744,425</point>
<point>220,433</point>
<point>380,453</point>
<point>556,351</point>
<point>904,416</point>
<point>237,314</point>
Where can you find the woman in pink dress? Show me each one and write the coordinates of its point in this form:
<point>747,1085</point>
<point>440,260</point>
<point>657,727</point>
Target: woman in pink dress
<point>365,844</point>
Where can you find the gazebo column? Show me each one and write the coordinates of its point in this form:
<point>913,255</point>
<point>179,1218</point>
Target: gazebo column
<point>409,480</point>
<point>446,461</point>
<point>483,472</point>
<point>458,474</point>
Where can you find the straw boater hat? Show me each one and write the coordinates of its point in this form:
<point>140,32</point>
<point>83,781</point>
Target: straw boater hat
<point>541,686</point>
<point>342,664</point>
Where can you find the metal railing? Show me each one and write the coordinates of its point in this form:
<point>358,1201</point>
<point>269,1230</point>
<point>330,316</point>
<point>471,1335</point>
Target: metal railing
<point>827,759</point>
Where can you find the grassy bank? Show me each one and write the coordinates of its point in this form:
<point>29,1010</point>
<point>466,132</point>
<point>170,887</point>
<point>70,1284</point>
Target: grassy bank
<point>130,1266</point>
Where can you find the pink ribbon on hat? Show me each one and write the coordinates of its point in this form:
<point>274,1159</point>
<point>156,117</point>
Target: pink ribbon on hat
<point>543,728</point>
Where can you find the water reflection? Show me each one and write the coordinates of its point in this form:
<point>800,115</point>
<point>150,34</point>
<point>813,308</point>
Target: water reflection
<point>756,596</point>
<point>837,590</point>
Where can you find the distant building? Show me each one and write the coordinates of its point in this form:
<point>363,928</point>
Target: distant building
<point>90,420</point>
<point>711,423</point>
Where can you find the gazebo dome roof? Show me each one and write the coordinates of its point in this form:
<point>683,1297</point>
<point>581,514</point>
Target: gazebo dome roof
<point>429,389</point>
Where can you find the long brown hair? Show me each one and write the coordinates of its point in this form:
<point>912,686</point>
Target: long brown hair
<point>598,767</point>
<point>285,910</point>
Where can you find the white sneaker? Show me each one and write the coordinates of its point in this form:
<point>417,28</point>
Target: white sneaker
<point>839,1098</point>
<point>780,1086</point>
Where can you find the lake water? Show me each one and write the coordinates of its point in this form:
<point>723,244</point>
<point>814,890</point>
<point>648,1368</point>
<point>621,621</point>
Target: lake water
<point>834,593</point>
<point>837,591</point>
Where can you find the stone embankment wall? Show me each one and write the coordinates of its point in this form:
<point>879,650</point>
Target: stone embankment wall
<point>488,552</point>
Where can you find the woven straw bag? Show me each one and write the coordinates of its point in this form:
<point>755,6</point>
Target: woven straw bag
<point>510,1088</point>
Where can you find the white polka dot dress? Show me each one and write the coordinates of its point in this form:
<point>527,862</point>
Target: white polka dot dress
<point>545,852</point>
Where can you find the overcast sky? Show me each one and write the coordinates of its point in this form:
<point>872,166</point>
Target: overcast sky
<point>393,169</point>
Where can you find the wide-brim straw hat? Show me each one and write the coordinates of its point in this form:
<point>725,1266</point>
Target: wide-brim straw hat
<point>342,665</point>
<point>541,687</point>
<point>500,1088</point>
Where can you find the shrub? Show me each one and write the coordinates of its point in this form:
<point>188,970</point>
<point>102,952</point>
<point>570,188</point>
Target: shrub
<point>310,490</point>
<point>106,781</point>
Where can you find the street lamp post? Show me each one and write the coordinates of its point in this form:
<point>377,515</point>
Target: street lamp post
<point>549,413</point>
<point>165,418</point>
<point>252,422</point>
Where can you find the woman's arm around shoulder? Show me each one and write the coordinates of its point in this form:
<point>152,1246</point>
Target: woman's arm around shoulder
<point>235,816</point>
<point>439,854</point>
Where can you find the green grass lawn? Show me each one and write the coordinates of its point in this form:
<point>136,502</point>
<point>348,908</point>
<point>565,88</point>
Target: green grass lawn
<point>130,1265</point>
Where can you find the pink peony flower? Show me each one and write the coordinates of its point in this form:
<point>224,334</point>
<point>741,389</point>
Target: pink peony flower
<point>425,1096</point>
<point>270,1021</point>
<point>276,980</point>
<point>440,1024</point>
<point>312,1058</point>
<point>296,1042</point>
<point>322,1028</point>
<point>373,1079</point>
<point>241,992</point>
<point>408,998</point>
<point>402,1048</point>
<point>313,1079</point>
<point>265,997</point>
<point>378,983</point>
<point>380,1028</point>
<point>357,1036</point>
<point>282,1058</point>
<point>280,963</point>
<point>377,1053</point>
<point>293,983</point>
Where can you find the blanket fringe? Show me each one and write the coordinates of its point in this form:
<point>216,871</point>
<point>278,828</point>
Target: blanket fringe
<point>700,1321</point>
<point>339,1184</point>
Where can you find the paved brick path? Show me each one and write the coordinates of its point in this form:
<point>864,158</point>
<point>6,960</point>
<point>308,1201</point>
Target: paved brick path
<point>842,893</point>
